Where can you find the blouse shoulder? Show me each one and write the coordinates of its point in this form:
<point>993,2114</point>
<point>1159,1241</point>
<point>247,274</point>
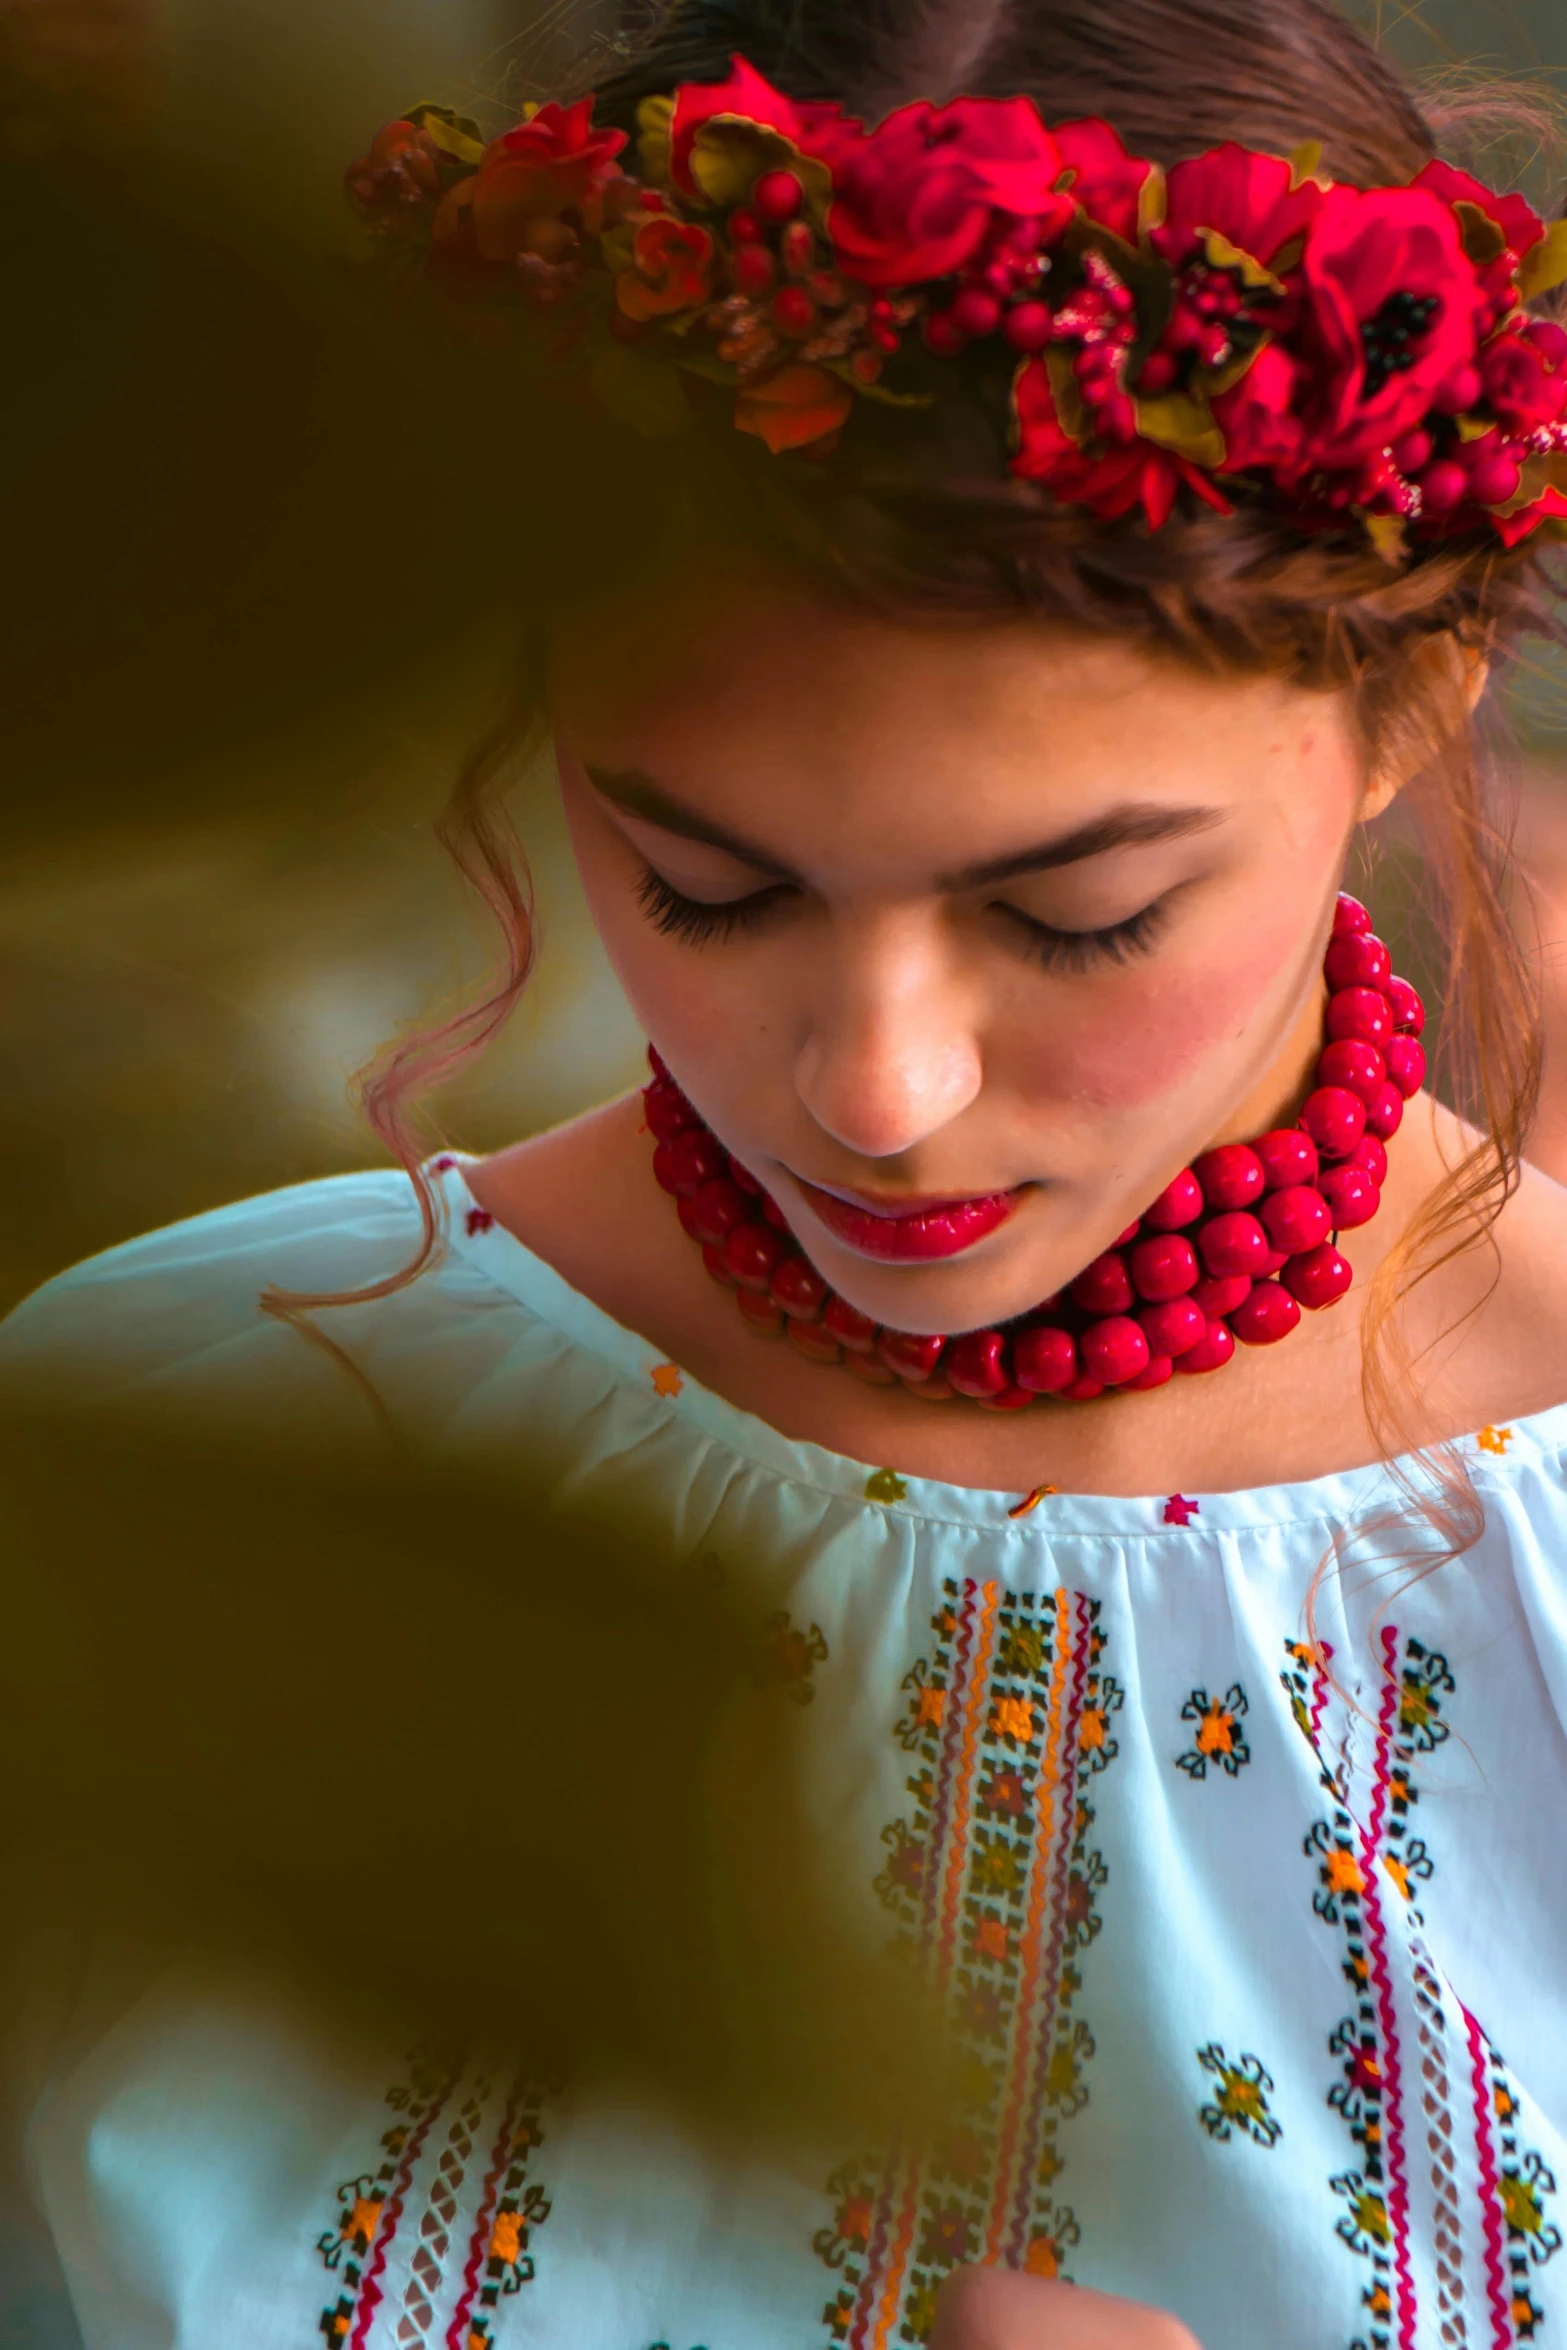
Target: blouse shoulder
<point>180,1309</point>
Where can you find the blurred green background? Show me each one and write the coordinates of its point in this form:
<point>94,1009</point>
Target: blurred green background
<point>252,610</point>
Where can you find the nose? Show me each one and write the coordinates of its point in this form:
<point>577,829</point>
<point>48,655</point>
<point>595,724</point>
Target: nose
<point>892,1055</point>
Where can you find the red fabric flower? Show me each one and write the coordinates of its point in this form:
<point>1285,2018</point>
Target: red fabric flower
<point>1513,529</point>
<point>1260,416</point>
<point>915,198</point>
<point>1107,182</point>
<point>1521,390</point>
<point>1247,198</point>
<point>399,178</point>
<point>798,408</point>
<point>1393,309</point>
<point>554,163</point>
<point>674,269</point>
<point>1515,216</point>
<point>815,128</point>
<point>1109,485</point>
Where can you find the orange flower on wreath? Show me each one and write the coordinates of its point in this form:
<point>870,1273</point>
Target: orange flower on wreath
<point>798,408</point>
<point>673,269</point>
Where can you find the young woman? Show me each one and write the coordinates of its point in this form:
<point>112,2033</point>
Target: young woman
<point>1137,1404</point>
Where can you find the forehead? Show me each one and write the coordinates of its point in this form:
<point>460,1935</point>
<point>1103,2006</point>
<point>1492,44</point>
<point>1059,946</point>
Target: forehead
<point>771,707</point>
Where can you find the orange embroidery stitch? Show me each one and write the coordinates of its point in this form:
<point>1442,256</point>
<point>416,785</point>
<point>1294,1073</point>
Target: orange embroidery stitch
<point>667,1379</point>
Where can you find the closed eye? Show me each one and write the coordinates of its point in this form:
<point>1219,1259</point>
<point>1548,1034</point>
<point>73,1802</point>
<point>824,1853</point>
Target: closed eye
<point>700,921</point>
<point>1083,950</point>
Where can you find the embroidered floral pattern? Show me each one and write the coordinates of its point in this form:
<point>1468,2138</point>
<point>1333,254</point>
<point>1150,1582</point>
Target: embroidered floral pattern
<point>371,2206</point>
<point>885,1485</point>
<point>790,1656</point>
<point>993,1883</point>
<point>1240,2103</point>
<point>1178,1511</point>
<point>1495,1439</point>
<point>1397,2054</point>
<point>1031,1501</point>
<point>1218,1740</point>
<point>667,1378</point>
<point>499,2261</point>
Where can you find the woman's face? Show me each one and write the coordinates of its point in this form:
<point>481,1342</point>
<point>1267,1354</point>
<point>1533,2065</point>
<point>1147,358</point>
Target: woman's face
<point>963,939</point>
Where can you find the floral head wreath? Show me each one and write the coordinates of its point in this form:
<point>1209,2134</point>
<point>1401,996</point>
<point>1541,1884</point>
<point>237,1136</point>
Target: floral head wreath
<point>1239,325</point>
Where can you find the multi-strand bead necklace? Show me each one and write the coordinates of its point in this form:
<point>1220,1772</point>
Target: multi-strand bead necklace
<point>1231,1250</point>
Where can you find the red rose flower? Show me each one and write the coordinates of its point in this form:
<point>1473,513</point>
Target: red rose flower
<point>551,164</point>
<point>798,408</point>
<point>1515,216</point>
<point>1247,198</point>
<point>674,269</point>
<point>815,128</point>
<point>916,198</point>
<point>1393,309</point>
<point>1107,182</point>
<point>1521,390</point>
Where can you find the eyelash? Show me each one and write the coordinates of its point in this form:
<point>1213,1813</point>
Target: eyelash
<point>698,923</point>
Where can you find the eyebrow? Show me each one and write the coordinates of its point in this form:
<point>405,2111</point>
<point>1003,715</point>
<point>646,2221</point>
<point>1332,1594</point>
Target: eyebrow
<point>1135,824</point>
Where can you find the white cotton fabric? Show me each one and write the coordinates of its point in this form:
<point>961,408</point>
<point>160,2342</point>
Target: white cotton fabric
<point>1230,2082</point>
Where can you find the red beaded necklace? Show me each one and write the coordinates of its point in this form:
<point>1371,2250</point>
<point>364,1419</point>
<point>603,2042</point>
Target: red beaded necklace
<point>1232,1249</point>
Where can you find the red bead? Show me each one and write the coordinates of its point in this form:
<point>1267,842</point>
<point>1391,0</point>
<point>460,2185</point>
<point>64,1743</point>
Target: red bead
<point>744,228</point>
<point>1160,1368</point>
<point>798,1288</point>
<point>856,1331</point>
<point>1179,1204</point>
<point>1082,1390</point>
<point>1105,1286</point>
<point>794,313</point>
<point>1406,1064</point>
<point>1214,1351</point>
<point>1385,1114</point>
<point>1132,1232</point>
<point>777,196</point>
<point>1409,1013</point>
<point>1232,1244</point>
<point>1288,1157</point>
<point>1360,1011</point>
<point>774,1213</point>
<point>667,1111</point>
<point>911,1357</point>
<point>1443,486</point>
<point>751,1251</point>
<point>689,1161</point>
<point>1358,960</point>
<point>1274,1262</point>
<point>760,1313</point>
<point>1353,1199</point>
<point>1044,1360</point>
<point>1353,1064</point>
<point>1231,1176</point>
<point>1371,1155</point>
<point>743,1176</point>
<point>1011,1399</point>
<point>1349,914</point>
<point>1163,1267</point>
<point>656,1061</point>
<point>1215,1299</point>
<point>814,1342</point>
<point>717,1264</point>
<point>754,269</point>
<point>1268,1315</point>
<point>976,1363</point>
<point>1295,1220</point>
<point>1320,1278</point>
<point>871,1369</point>
<point>1495,479</point>
<point>1335,1119</point>
<point>1174,1327</point>
<point>1027,326</point>
<point>716,1207</point>
<point>976,312</point>
<point>1113,1350</point>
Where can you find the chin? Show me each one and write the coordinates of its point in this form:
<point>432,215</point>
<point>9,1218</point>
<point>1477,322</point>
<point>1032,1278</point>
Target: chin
<point>936,1300</point>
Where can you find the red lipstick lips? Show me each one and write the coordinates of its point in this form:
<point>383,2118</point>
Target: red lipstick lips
<point>919,1235</point>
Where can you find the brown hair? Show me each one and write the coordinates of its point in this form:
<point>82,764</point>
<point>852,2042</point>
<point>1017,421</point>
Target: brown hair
<point>913,512</point>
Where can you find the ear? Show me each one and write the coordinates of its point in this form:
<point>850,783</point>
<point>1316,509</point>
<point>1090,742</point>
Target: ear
<point>1443,667</point>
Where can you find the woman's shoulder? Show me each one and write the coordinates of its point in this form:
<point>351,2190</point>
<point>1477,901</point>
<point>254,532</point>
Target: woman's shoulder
<point>176,1304</point>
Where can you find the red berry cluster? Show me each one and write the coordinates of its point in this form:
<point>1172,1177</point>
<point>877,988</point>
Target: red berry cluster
<point>1231,1250</point>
